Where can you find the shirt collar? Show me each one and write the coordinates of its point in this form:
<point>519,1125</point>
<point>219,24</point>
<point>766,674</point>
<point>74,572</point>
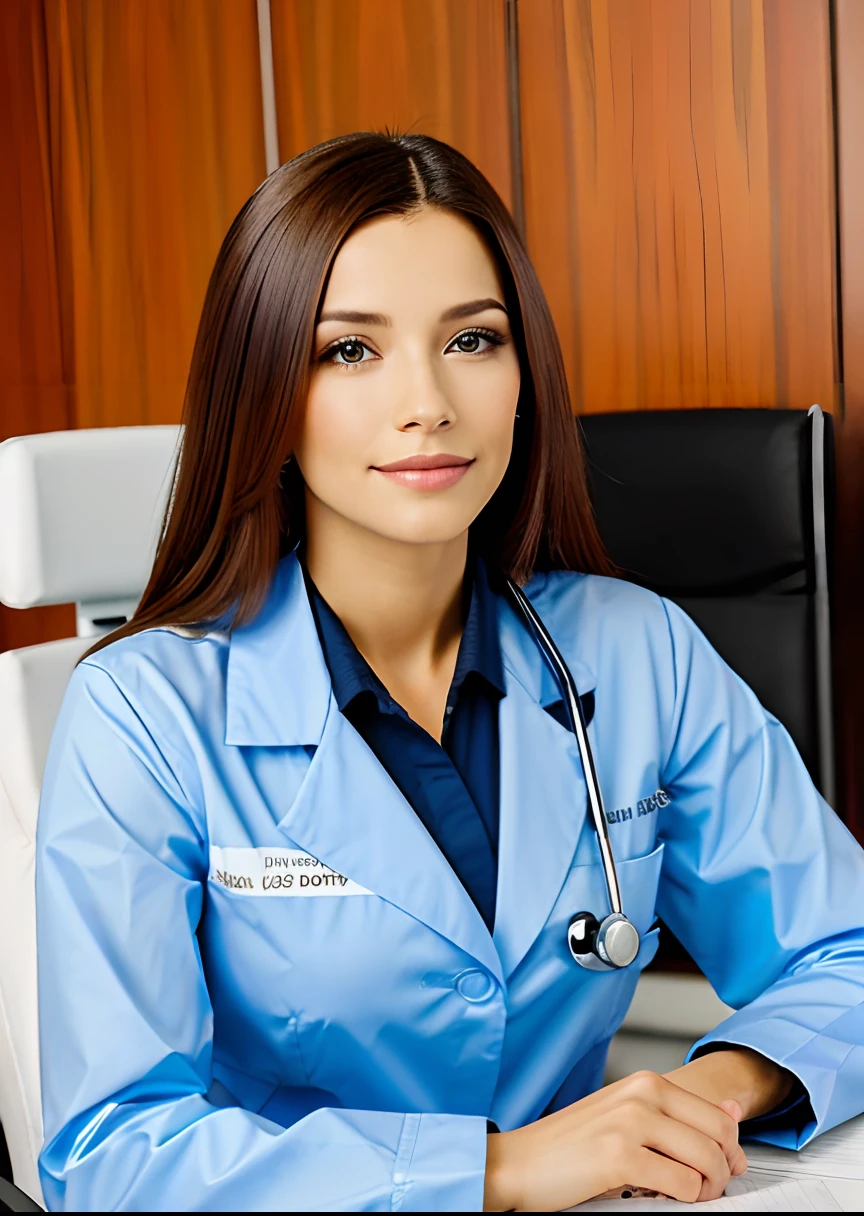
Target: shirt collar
<point>480,649</point>
<point>278,688</point>
<point>350,674</point>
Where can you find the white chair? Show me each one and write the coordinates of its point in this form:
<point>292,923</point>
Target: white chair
<point>79,518</point>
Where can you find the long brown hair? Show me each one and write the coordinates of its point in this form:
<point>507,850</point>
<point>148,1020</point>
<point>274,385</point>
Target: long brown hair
<point>236,506</point>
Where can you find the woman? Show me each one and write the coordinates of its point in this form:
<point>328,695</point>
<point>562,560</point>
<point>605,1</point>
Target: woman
<point>314,821</point>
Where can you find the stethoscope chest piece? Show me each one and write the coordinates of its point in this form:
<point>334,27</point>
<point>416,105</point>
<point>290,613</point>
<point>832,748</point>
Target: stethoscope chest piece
<point>605,945</point>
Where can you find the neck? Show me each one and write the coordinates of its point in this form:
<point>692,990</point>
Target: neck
<point>401,603</point>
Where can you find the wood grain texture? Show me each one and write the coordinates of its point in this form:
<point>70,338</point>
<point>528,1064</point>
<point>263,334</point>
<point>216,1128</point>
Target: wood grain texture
<point>849,634</point>
<point>155,139</point>
<point>435,67</point>
<point>35,390</point>
<point>850,157</point>
<point>679,197</point>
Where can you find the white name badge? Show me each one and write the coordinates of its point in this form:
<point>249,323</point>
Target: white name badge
<point>281,872</point>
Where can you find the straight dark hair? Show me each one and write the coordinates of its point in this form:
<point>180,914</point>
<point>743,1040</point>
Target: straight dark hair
<point>236,506</point>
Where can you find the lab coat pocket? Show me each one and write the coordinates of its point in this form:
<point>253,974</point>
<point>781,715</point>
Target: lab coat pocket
<point>638,879</point>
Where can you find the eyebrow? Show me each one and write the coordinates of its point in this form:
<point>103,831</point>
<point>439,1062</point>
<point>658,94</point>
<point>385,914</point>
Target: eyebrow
<point>377,318</point>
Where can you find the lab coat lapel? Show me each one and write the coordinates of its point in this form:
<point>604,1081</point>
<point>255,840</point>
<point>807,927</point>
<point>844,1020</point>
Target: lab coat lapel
<point>348,812</point>
<point>351,815</point>
<point>543,799</point>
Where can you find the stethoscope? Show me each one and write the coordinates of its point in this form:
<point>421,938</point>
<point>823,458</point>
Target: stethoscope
<point>613,942</point>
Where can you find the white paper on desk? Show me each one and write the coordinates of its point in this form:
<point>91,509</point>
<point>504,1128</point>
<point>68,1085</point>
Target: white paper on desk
<point>756,1192</point>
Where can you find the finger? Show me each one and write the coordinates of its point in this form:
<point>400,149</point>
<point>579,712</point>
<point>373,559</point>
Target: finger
<point>707,1118</point>
<point>690,1147</point>
<point>654,1172</point>
<point>734,1111</point>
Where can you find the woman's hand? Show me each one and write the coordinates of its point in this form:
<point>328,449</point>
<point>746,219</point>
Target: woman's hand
<point>643,1131</point>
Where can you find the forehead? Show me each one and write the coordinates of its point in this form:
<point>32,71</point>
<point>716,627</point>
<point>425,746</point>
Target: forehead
<point>392,257</point>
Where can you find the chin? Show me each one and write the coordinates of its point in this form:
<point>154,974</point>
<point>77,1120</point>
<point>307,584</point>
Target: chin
<point>419,536</point>
<point>421,532</point>
<point>415,523</point>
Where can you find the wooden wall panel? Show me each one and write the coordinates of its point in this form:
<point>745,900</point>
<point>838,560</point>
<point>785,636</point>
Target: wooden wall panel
<point>35,392</point>
<point>849,638</point>
<point>155,140</point>
<point>436,67</point>
<point>679,197</point>
<point>803,200</point>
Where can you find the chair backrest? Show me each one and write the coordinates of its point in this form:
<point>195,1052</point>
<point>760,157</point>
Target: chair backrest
<point>80,515</point>
<point>729,513</point>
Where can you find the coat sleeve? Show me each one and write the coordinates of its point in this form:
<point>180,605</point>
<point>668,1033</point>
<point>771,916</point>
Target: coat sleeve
<point>132,1119</point>
<point>764,886</point>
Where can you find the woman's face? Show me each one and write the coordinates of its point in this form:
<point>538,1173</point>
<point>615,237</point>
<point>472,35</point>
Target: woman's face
<point>413,361</point>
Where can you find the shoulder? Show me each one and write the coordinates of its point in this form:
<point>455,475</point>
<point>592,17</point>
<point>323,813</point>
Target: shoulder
<point>625,635</point>
<point>623,631</point>
<point>166,653</point>
<point>169,679</point>
<point>598,607</point>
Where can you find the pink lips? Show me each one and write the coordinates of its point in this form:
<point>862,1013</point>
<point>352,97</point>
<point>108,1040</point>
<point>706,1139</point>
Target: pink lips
<point>435,472</point>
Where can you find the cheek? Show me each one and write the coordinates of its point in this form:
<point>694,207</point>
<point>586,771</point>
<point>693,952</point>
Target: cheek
<point>338,430</point>
<point>488,398</point>
<point>490,415</point>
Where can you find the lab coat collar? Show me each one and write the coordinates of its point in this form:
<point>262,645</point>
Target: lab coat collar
<point>521,654</point>
<point>278,686</point>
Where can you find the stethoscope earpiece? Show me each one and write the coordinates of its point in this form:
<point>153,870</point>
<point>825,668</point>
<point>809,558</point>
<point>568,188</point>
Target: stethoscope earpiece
<point>613,942</point>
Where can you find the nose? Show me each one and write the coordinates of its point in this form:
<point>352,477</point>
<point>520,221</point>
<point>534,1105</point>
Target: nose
<point>424,405</point>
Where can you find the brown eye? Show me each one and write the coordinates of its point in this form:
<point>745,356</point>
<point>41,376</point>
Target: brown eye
<point>468,343</point>
<point>351,352</point>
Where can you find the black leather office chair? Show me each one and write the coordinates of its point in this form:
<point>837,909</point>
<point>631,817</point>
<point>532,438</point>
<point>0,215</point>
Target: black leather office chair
<point>729,513</point>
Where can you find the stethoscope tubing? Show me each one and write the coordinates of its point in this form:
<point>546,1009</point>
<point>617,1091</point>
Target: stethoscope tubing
<point>567,684</point>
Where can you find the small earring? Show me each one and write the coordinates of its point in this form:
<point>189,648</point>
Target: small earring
<point>518,415</point>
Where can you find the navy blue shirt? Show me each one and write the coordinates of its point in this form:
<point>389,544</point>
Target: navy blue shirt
<point>453,786</point>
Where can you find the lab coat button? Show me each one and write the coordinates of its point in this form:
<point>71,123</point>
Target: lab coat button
<point>475,986</point>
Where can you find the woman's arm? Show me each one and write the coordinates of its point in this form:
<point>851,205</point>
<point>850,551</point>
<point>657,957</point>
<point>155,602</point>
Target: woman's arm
<point>132,1118</point>
<point>736,1074</point>
<point>765,888</point>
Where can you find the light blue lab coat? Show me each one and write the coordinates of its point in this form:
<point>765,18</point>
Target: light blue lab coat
<point>215,1040</point>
